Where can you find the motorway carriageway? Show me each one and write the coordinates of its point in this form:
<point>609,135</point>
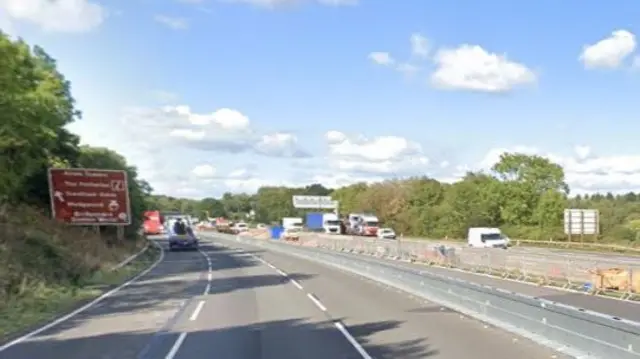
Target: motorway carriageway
<point>243,302</point>
<point>607,305</point>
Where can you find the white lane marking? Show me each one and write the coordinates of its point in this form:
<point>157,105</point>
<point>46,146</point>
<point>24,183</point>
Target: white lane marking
<point>176,346</point>
<point>209,276</point>
<point>317,302</point>
<point>363,353</point>
<point>207,289</point>
<point>282,273</point>
<point>295,282</point>
<point>271,265</point>
<point>86,306</point>
<point>197,311</point>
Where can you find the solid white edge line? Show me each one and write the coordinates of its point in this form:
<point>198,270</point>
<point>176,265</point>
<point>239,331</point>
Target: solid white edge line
<point>86,306</point>
<point>176,346</point>
<point>352,341</point>
<point>130,258</point>
<point>295,282</point>
<point>282,273</point>
<point>317,302</point>
<point>197,311</point>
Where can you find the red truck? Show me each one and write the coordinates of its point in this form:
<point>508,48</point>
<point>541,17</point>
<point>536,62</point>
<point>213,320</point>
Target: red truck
<point>152,223</point>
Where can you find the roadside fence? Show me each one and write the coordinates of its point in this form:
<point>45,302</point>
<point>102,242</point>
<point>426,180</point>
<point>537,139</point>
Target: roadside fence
<point>585,272</point>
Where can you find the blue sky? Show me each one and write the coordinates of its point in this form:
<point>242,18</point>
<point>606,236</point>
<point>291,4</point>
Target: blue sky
<point>303,68</point>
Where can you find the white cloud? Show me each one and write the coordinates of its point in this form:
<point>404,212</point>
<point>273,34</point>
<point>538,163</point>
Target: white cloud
<point>470,67</point>
<point>609,52</point>
<point>56,16</point>
<point>204,171</point>
<point>224,130</point>
<point>419,45</point>
<point>383,155</point>
<point>176,23</point>
<point>280,145</point>
<point>585,171</point>
<point>381,58</point>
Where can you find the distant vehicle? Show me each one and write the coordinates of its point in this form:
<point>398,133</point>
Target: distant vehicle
<point>240,227</point>
<point>152,223</point>
<point>483,237</point>
<point>386,233</point>
<point>291,234</point>
<point>261,226</point>
<point>186,240</point>
<point>331,223</point>
<point>363,224</point>
<point>292,222</point>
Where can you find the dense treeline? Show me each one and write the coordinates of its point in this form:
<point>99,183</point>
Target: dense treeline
<point>36,105</point>
<point>524,195</point>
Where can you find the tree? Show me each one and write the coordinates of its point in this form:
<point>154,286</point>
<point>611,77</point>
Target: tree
<point>35,105</point>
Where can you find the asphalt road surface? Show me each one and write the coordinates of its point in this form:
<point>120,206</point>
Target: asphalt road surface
<point>248,303</point>
<point>614,307</point>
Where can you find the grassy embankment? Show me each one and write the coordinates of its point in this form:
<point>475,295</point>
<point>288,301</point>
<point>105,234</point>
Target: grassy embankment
<point>47,269</point>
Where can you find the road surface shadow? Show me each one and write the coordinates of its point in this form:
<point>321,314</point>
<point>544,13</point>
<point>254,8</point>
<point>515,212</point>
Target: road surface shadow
<point>230,284</point>
<point>279,339</point>
<point>170,284</point>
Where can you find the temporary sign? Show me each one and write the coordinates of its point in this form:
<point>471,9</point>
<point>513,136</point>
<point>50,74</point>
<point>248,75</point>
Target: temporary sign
<point>83,196</point>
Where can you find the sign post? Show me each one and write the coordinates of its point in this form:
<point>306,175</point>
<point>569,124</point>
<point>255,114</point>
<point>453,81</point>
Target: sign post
<point>581,222</point>
<point>315,202</point>
<point>90,197</point>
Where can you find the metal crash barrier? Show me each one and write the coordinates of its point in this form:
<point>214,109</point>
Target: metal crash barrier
<point>567,329</point>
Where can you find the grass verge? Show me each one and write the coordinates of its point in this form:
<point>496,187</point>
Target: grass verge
<point>43,303</point>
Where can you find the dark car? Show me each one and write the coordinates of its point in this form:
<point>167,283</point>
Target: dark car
<point>186,241</point>
<point>179,241</point>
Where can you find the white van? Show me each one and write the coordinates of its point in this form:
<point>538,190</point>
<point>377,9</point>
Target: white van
<point>482,237</point>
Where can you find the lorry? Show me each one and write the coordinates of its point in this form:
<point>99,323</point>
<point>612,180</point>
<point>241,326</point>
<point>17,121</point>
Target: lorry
<point>369,225</point>
<point>485,237</point>
<point>315,222</point>
<point>292,222</point>
<point>331,223</point>
<point>152,223</point>
<point>362,224</point>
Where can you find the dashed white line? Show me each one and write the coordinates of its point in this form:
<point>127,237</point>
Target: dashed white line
<point>295,283</point>
<point>363,353</point>
<point>343,330</point>
<point>197,311</point>
<point>207,289</point>
<point>176,346</point>
<point>282,273</point>
<point>209,276</point>
<point>317,302</point>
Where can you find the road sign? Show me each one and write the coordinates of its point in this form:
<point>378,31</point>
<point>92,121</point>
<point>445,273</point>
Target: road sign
<point>83,196</point>
<point>581,222</point>
<point>314,202</point>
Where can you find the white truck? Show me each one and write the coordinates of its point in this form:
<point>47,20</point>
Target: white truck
<point>292,222</point>
<point>483,237</point>
<point>331,223</point>
<point>363,224</point>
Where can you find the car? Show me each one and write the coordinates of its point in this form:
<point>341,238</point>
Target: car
<point>181,242</point>
<point>386,233</point>
<point>291,234</point>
